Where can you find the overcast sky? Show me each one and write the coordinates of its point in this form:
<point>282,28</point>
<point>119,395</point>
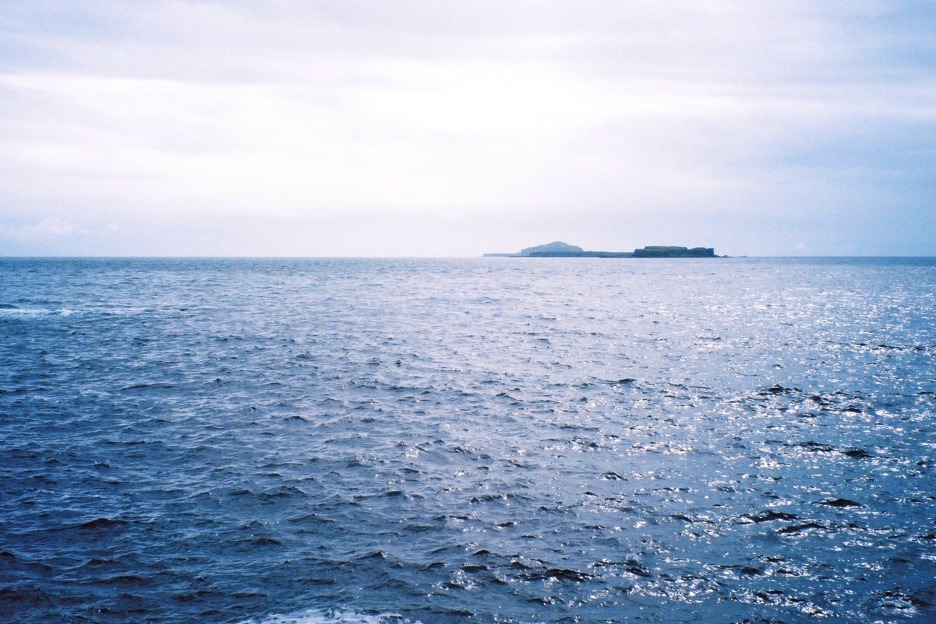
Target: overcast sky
<point>427,128</point>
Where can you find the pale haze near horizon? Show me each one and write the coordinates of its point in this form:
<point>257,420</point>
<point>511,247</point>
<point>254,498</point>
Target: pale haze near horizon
<point>454,129</point>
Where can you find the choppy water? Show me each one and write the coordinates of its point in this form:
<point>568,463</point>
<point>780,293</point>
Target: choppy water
<point>490,440</point>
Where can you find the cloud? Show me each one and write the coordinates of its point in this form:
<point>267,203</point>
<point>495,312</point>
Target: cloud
<point>629,119</point>
<point>48,228</point>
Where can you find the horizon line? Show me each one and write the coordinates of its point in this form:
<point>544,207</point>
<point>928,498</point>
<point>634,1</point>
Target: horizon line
<point>482,257</point>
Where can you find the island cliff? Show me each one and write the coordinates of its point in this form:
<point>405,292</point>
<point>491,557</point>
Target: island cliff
<point>558,249</point>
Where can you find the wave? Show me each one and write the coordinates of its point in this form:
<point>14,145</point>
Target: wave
<point>16,312</point>
<point>336,616</point>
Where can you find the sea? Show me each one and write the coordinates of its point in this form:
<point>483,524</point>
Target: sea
<point>490,440</point>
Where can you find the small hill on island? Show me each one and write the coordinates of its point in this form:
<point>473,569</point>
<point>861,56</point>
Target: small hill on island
<point>553,247</point>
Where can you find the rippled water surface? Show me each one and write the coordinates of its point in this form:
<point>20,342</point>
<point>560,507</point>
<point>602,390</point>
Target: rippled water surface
<point>490,440</point>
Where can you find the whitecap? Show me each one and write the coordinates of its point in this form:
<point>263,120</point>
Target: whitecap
<point>16,312</point>
<point>341,616</point>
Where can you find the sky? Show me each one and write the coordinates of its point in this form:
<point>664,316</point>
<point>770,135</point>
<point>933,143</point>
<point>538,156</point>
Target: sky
<point>426,128</point>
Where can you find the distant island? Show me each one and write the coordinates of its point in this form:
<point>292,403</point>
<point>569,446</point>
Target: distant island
<point>558,249</point>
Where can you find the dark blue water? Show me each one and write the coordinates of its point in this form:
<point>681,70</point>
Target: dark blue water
<point>491,440</point>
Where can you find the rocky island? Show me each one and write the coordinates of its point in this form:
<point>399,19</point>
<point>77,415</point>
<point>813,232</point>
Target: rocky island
<point>558,249</point>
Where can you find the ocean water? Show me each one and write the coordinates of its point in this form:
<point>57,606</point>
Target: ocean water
<point>485,440</point>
